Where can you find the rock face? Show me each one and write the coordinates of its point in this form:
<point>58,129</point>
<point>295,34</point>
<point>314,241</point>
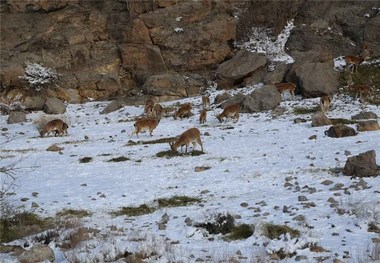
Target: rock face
<point>362,165</point>
<point>105,49</point>
<point>340,130</point>
<point>109,49</point>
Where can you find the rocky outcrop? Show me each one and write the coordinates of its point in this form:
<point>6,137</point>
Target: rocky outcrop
<point>54,106</point>
<point>107,49</point>
<point>241,66</point>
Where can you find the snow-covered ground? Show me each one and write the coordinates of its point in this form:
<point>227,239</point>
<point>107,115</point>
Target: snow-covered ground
<point>263,169</point>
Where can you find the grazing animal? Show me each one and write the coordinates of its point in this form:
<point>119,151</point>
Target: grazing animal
<point>57,126</point>
<point>288,87</point>
<point>231,111</point>
<point>353,62</point>
<point>205,102</point>
<point>202,116</point>
<point>325,103</point>
<point>183,111</point>
<point>192,135</point>
<point>145,124</point>
<point>158,110</point>
<point>361,91</point>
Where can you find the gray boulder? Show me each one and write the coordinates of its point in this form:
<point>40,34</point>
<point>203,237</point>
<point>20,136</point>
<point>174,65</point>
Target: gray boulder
<point>16,117</point>
<point>33,103</point>
<point>266,97</point>
<point>317,79</point>
<point>365,116</point>
<point>241,66</point>
<point>54,106</point>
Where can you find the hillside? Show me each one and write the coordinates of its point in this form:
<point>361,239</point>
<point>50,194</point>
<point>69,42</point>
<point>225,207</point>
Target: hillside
<point>263,170</point>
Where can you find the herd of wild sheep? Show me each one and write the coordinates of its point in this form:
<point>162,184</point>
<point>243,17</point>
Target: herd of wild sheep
<point>153,111</point>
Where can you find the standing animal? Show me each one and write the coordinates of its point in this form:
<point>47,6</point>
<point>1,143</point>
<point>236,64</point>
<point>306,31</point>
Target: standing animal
<point>57,126</point>
<point>361,91</point>
<point>325,103</point>
<point>353,62</point>
<point>145,124</point>
<point>231,111</point>
<point>158,110</point>
<point>205,102</point>
<point>192,135</point>
<point>183,111</point>
<point>149,108</point>
<point>288,87</point>
<point>202,116</point>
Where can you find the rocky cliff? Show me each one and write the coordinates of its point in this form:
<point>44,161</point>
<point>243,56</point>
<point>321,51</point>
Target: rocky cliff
<point>104,49</point>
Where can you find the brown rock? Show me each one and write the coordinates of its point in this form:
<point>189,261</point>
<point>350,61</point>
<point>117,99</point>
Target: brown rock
<point>369,125</point>
<point>362,165</point>
<point>16,117</point>
<point>37,253</point>
<point>340,130</point>
<point>320,119</point>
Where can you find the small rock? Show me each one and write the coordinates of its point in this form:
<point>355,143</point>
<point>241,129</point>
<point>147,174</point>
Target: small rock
<point>362,165</point>
<point>35,205</point>
<point>332,200</point>
<point>340,130</point>
<point>299,120</point>
<point>327,182</point>
<point>320,119</point>
<point>347,153</point>
<point>24,199</point>
<point>244,204</point>
<point>369,125</point>
<point>188,221</point>
<point>313,137</point>
<point>201,168</point>
<point>54,148</point>
<point>34,194</point>
<point>302,198</point>
<point>299,218</point>
<point>16,117</point>
<point>300,258</point>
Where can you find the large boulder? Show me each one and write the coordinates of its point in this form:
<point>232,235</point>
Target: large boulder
<point>340,130</point>
<point>38,253</point>
<point>320,119</point>
<point>365,116</point>
<point>362,165</point>
<point>267,97</point>
<point>317,79</point>
<point>33,103</point>
<point>368,125</point>
<point>261,99</point>
<point>16,117</point>
<point>54,106</point>
<point>241,66</point>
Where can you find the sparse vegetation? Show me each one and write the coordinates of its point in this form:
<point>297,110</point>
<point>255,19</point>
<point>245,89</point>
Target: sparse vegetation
<point>21,225</point>
<point>143,209</point>
<point>241,232</point>
<point>343,121</point>
<point>221,224</point>
<point>134,211</point>
<point>273,231</point>
<point>85,159</point>
<point>73,213</point>
<point>177,201</point>
<point>304,110</point>
<point>119,159</point>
